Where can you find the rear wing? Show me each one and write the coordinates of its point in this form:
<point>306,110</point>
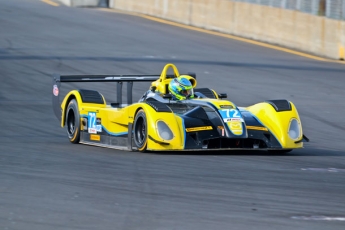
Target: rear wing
<point>119,79</point>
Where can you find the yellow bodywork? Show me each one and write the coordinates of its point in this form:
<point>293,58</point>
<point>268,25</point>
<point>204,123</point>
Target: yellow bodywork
<point>278,123</point>
<point>116,120</point>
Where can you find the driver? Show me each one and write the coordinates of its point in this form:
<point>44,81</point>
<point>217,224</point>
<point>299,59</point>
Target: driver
<point>181,88</point>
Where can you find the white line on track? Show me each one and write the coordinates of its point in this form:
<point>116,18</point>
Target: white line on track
<point>323,169</point>
<point>327,218</point>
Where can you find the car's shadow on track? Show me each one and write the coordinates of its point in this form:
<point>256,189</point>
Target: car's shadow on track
<point>297,152</point>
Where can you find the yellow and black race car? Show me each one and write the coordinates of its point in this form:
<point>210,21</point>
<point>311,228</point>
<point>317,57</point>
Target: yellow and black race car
<point>158,123</point>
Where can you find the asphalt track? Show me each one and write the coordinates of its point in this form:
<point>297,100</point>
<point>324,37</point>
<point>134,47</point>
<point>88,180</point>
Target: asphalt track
<point>48,183</point>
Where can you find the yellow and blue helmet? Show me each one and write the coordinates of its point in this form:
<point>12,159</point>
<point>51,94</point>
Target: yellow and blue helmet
<point>181,88</point>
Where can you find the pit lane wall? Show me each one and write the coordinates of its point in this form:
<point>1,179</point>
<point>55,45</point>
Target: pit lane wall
<point>85,3</point>
<point>309,33</point>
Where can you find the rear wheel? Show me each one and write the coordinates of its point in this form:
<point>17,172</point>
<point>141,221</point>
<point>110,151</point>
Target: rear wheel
<point>140,131</point>
<point>73,122</point>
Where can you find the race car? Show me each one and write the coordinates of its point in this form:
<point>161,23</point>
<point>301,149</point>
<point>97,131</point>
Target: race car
<point>156,122</point>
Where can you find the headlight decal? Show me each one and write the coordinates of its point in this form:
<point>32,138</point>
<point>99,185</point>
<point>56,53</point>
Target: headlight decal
<point>294,129</point>
<point>164,131</point>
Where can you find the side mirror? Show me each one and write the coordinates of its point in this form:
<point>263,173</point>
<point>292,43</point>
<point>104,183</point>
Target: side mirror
<point>153,88</point>
<point>222,95</point>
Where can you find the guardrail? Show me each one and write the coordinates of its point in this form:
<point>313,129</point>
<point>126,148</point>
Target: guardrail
<point>318,35</point>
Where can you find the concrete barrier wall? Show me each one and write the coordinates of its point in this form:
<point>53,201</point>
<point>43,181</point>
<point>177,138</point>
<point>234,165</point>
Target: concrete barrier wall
<point>66,2</point>
<point>92,3</point>
<point>313,34</point>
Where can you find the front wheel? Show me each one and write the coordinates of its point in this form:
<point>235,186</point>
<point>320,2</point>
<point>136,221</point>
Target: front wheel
<point>140,131</point>
<point>73,122</point>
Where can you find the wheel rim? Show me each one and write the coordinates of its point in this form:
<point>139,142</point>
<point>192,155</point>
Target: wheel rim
<point>71,122</point>
<point>141,131</point>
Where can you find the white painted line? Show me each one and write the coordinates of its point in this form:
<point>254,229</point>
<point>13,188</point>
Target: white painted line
<point>323,169</point>
<point>327,218</point>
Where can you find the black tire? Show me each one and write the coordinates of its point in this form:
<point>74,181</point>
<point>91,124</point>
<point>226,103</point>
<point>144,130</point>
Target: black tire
<point>73,122</point>
<point>140,131</point>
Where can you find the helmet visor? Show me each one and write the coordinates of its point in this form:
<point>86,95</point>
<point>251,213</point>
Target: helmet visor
<point>186,92</point>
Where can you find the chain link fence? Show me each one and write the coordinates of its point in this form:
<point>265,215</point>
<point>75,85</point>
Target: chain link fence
<point>330,8</point>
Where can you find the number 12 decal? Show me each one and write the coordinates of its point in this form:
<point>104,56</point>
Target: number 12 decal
<point>232,113</point>
<point>92,120</point>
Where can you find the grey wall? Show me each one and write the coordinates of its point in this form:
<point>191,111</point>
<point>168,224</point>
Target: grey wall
<point>97,3</point>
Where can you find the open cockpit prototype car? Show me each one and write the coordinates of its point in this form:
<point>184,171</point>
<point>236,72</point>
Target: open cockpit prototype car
<point>158,123</point>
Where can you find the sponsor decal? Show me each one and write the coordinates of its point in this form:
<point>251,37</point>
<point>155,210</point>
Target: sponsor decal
<point>94,137</point>
<point>257,128</point>
<point>92,130</point>
<point>226,106</point>
<point>234,120</point>
<point>237,119</point>
<point>55,90</point>
<point>194,129</point>
<point>236,127</point>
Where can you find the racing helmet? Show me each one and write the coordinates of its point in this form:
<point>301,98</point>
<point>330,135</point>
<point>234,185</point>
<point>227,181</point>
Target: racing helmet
<point>181,88</point>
